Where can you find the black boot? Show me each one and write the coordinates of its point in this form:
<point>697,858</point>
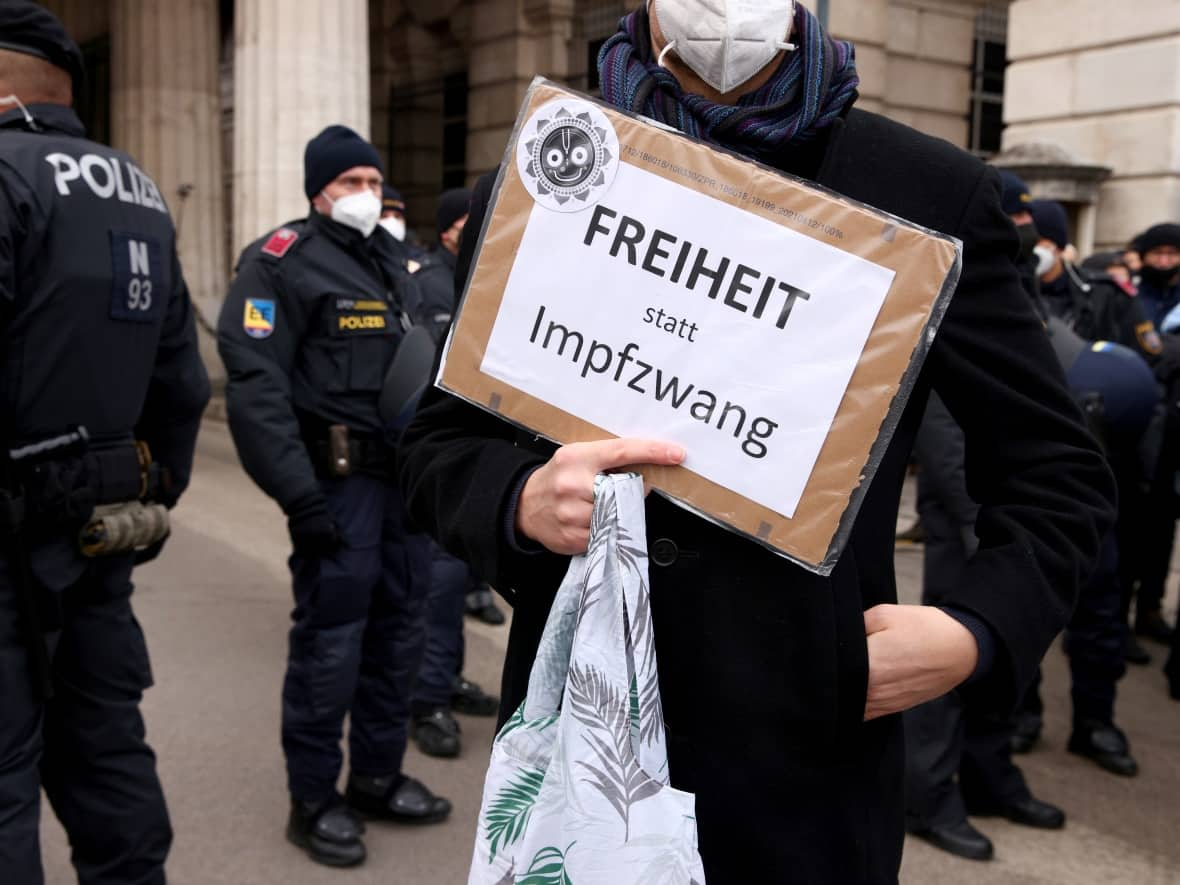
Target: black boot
<point>481,604</point>
<point>397,798</point>
<point>436,733</point>
<point>1153,626</point>
<point>327,831</point>
<point>471,700</point>
<point>1133,652</point>
<point>960,839</point>
<point>1104,744</point>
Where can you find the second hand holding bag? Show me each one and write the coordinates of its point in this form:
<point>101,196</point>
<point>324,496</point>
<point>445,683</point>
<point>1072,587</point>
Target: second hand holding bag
<point>577,790</point>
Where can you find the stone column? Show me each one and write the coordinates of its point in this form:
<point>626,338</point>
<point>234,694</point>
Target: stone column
<point>1087,226</point>
<point>166,113</point>
<point>299,65</point>
<point>1103,82</point>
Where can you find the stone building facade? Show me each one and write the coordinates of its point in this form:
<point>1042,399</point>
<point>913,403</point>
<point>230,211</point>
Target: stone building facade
<point>218,97</point>
<point>1101,81</point>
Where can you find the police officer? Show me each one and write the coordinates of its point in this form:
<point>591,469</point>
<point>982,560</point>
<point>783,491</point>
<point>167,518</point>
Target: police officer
<point>97,350</point>
<point>439,297</point>
<point>312,320</point>
<point>1094,306</point>
<point>1158,248</point>
<point>957,756</point>
<point>1114,384</point>
<point>393,213</point>
<point>441,689</point>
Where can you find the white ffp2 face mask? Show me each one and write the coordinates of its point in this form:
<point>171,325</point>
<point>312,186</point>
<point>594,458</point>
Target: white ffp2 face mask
<point>360,211</point>
<point>725,42</point>
<point>396,227</point>
<point>1046,258</point>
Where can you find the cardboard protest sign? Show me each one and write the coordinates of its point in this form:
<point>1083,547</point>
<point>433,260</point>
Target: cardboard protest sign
<point>630,281</point>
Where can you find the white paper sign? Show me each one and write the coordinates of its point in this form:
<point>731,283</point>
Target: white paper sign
<point>661,312</point>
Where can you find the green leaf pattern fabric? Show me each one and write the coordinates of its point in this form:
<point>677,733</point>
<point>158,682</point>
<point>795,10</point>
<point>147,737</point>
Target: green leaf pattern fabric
<point>577,789</point>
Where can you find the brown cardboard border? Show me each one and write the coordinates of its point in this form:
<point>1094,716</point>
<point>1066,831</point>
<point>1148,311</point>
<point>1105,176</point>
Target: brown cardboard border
<point>923,263</point>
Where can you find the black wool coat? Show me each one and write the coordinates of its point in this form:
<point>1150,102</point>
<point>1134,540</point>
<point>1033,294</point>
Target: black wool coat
<point>763,666</point>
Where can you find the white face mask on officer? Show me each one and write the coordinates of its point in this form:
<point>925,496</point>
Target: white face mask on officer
<point>725,42</point>
<point>396,227</point>
<point>360,211</point>
<point>1046,258</point>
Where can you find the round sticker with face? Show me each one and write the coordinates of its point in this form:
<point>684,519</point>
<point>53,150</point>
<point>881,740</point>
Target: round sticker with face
<point>567,155</point>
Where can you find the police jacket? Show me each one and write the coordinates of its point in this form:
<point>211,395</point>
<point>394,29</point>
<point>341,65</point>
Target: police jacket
<point>436,295</point>
<point>96,325</point>
<point>1158,301</point>
<point>311,322</point>
<point>763,665</point>
<point>1098,309</point>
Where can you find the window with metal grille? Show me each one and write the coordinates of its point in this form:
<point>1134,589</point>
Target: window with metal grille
<point>989,59</point>
<point>454,148</point>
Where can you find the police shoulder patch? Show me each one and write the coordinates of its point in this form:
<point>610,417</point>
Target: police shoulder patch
<point>1149,338</point>
<point>280,242</point>
<point>259,318</point>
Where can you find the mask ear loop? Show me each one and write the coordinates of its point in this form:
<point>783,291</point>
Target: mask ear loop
<point>786,44</point>
<point>663,52</point>
<point>12,99</point>
<point>789,47</point>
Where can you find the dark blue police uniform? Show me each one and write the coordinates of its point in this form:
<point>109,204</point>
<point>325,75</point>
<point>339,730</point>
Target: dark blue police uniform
<point>98,349</point>
<point>1151,534</point>
<point>451,578</point>
<point>312,320</point>
<point>440,686</point>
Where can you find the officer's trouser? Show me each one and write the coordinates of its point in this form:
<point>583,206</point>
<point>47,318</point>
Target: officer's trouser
<point>450,580</point>
<point>948,737</point>
<point>1094,643</point>
<point>86,745</point>
<point>1148,530</point>
<point>1094,640</point>
<point>356,641</point>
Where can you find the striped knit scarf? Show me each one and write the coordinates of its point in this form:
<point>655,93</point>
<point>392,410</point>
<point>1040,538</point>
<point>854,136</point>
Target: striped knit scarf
<point>814,84</point>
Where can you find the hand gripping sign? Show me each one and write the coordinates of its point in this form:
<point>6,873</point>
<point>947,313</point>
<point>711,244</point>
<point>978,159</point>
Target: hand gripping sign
<point>629,281</point>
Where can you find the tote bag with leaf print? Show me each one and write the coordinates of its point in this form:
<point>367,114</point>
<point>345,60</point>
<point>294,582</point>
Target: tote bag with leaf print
<point>577,791</point>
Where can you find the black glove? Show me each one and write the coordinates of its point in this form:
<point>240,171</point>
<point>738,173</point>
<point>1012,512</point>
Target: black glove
<point>313,533</point>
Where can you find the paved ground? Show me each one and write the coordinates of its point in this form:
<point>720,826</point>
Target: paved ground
<point>215,611</point>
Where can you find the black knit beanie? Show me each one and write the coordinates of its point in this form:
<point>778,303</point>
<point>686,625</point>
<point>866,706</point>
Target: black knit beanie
<point>1049,216</point>
<point>337,149</point>
<point>32,29</point>
<point>452,205</point>
<point>391,199</point>
<point>1158,235</point>
<point>1015,196</point>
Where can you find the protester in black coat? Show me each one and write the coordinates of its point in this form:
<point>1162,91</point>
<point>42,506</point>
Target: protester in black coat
<point>765,668</point>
